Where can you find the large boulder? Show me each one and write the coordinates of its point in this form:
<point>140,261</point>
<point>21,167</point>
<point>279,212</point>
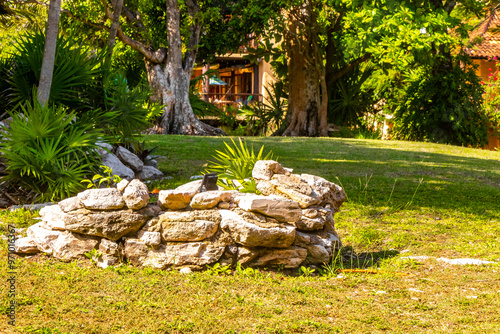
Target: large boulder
<point>289,186</point>
<point>283,209</point>
<point>149,173</point>
<point>70,204</point>
<point>136,195</point>
<point>54,217</point>
<point>320,245</point>
<point>110,253</point>
<point>326,191</point>
<point>129,159</point>
<point>210,199</point>
<point>112,161</point>
<point>254,233</point>
<point>43,237</point>
<point>265,169</point>
<point>26,246</point>
<point>108,224</point>
<point>289,258</point>
<point>189,225</point>
<point>102,199</point>
<point>71,246</point>
<point>163,256</point>
<point>180,197</point>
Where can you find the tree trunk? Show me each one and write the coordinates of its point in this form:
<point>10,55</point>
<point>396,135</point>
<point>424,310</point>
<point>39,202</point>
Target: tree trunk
<point>171,88</point>
<point>307,100</point>
<point>49,52</point>
<point>114,26</point>
<point>170,80</point>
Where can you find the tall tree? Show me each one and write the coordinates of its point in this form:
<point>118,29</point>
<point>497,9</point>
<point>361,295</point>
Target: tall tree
<point>49,53</point>
<point>168,34</point>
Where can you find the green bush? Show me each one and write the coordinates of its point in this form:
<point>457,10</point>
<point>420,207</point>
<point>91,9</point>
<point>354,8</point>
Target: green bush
<point>236,163</point>
<point>443,106</point>
<point>49,151</point>
<point>75,71</point>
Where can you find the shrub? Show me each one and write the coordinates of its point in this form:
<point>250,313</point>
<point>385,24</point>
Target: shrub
<point>442,105</point>
<point>236,164</point>
<point>48,150</point>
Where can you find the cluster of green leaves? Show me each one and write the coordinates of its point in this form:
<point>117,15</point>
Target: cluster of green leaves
<point>48,150</point>
<point>261,117</point>
<point>106,177</point>
<point>234,166</point>
<point>88,102</point>
<point>443,107</point>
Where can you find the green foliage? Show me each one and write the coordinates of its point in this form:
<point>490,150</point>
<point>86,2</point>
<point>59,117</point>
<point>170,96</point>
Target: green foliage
<point>94,255</point>
<point>217,270</point>
<point>306,271</point>
<point>75,70</point>
<point>236,164</point>
<point>49,151</point>
<point>108,178</point>
<point>128,111</point>
<point>350,101</point>
<point>442,106</point>
<point>261,117</point>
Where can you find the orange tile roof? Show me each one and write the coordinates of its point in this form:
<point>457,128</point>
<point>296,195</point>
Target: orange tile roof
<point>490,45</point>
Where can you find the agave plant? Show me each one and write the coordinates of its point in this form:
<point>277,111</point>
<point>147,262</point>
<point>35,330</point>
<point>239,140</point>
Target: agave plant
<point>48,151</point>
<point>234,165</point>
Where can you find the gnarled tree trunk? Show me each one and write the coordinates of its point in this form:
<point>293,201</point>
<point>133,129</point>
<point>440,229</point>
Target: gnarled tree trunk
<point>169,70</point>
<point>307,100</point>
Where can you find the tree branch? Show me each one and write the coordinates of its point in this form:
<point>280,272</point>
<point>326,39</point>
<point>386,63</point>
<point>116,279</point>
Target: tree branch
<point>147,52</point>
<point>90,23</point>
<point>339,74</point>
<point>194,38</point>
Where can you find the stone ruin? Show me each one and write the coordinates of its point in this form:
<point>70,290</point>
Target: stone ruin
<point>289,225</point>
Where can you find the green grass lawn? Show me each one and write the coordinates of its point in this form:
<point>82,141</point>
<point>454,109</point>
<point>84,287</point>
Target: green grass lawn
<point>404,199</point>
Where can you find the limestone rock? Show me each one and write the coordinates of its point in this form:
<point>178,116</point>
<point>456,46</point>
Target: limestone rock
<point>189,225</point>
<point>71,246</point>
<point>265,169</point>
<point>43,237</point>
<point>110,253</point>
<point>104,149</point>
<point>310,224</point>
<point>26,246</point>
<point>70,204</point>
<point>252,235</point>
<point>151,162</point>
<point>122,185</point>
<point>289,186</point>
<point>102,199</point>
<point>328,192</point>
<point>117,166</point>
<point>246,255</point>
<point>283,209</point>
<point>108,224</point>
<point>54,217</point>
<point>153,225</point>
<point>178,198</point>
<point>289,258</point>
<point>129,159</point>
<point>136,195</point>
<point>209,199</point>
<point>150,238</point>
<point>163,256</point>
<point>149,173</point>
<point>320,245</point>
